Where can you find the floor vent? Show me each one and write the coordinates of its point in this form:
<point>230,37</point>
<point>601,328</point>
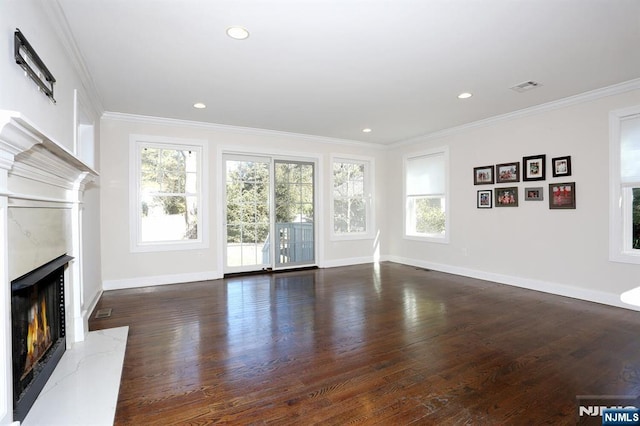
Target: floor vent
<point>103,313</point>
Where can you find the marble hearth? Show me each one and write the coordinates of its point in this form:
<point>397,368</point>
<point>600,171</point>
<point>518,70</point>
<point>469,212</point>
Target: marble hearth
<point>96,364</point>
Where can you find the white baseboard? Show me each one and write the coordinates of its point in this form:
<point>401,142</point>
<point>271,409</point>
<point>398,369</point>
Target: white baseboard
<point>159,280</point>
<point>347,262</point>
<point>596,296</point>
<point>606,298</point>
<point>90,307</point>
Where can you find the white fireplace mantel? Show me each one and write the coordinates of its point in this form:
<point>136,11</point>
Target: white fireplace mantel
<point>40,175</point>
<point>24,149</point>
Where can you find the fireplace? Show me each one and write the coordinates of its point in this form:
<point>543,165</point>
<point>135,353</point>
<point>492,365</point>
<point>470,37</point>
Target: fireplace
<point>38,330</point>
<point>42,211</point>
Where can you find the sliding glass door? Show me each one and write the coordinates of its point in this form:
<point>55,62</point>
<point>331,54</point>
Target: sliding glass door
<point>294,213</point>
<point>247,213</point>
<point>269,213</point>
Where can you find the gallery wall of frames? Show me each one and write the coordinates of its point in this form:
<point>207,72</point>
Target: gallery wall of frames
<point>533,168</point>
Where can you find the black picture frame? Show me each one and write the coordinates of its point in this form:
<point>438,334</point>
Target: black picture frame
<point>483,175</point>
<point>508,172</point>
<point>534,193</point>
<point>562,195</point>
<point>485,199</point>
<point>533,167</point>
<point>561,166</point>
<point>506,197</point>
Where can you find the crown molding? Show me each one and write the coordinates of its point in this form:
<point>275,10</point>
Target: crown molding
<point>615,89</point>
<point>538,109</point>
<point>60,25</point>
<point>145,119</point>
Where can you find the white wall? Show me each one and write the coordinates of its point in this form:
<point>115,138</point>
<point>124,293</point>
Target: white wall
<point>19,93</point>
<point>122,268</point>
<point>91,260</point>
<point>560,251</point>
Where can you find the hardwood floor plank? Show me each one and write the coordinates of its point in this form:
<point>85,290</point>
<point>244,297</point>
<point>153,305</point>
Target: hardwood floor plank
<point>366,344</point>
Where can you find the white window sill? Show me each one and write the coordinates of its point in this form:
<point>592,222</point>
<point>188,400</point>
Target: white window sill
<point>351,237</point>
<point>626,257</point>
<point>169,246</point>
<point>428,239</point>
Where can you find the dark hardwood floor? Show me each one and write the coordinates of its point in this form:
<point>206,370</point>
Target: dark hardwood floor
<point>387,344</point>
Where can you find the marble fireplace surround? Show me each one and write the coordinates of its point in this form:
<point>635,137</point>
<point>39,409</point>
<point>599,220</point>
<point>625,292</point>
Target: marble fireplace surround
<point>41,190</point>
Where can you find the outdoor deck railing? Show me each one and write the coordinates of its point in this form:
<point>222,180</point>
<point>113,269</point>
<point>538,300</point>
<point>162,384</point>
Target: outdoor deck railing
<point>294,245</point>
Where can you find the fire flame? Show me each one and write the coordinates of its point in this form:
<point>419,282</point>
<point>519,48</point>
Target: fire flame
<point>38,334</point>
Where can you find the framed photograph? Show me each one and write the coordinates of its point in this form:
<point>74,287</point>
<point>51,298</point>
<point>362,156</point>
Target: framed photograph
<point>485,199</point>
<point>562,195</point>
<point>534,194</point>
<point>561,166</point>
<point>533,167</point>
<point>507,197</point>
<point>508,172</point>
<point>483,175</point>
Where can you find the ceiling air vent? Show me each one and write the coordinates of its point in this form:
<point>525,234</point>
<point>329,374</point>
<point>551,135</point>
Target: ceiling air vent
<point>525,86</point>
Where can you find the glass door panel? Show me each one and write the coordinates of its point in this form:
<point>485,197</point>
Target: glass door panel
<point>247,213</point>
<point>294,214</point>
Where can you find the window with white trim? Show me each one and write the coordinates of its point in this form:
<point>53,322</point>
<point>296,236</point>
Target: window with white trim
<point>625,185</point>
<point>352,189</point>
<point>167,204</point>
<point>426,195</point>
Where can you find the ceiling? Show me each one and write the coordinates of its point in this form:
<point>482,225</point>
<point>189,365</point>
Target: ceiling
<point>334,67</point>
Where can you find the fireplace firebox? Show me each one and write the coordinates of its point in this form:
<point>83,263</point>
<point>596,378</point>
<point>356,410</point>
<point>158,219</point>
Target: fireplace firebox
<point>38,331</point>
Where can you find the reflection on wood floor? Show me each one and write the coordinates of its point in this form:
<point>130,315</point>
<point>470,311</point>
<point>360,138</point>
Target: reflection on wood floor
<point>377,343</point>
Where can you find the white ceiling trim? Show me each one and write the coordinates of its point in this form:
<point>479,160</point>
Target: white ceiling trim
<point>351,70</point>
<point>61,27</point>
<point>615,89</point>
<point>549,106</point>
<point>145,119</point>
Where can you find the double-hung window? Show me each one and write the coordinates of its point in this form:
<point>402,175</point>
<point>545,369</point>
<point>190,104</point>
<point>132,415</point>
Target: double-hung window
<point>168,211</point>
<point>352,187</point>
<point>624,217</point>
<point>426,195</point>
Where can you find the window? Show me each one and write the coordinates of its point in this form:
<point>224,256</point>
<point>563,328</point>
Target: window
<point>351,182</point>
<point>625,186</point>
<point>426,201</point>
<point>167,206</point>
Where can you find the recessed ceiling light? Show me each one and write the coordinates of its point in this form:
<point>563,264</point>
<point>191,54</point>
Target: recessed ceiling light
<point>199,105</point>
<point>238,33</point>
<point>367,130</point>
<point>465,95</point>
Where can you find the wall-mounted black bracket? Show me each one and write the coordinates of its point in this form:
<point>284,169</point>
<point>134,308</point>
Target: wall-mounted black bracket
<point>29,60</point>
